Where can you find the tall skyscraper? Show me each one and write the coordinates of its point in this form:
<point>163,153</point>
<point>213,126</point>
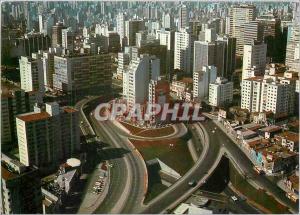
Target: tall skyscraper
<point>292,49</point>
<point>82,73</point>
<point>56,34</point>
<point>20,188</point>
<point>47,135</point>
<point>254,60</point>
<point>183,17</point>
<point>183,51</point>
<point>201,81</point>
<point>242,25</point>
<point>137,77</point>
<point>67,38</point>
<point>204,55</point>
<point>227,68</point>
<point>121,26</point>
<point>167,20</point>
<point>31,74</point>
<point>12,103</point>
<point>238,15</point>
<point>131,28</point>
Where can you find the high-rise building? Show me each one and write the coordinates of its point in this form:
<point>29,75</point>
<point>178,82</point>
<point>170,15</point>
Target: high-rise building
<point>226,65</point>
<point>270,93</point>
<point>48,66</point>
<point>183,51</point>
<point>31,74</point>
<point>292,48</point>
<point>20,188</point>
<point>247,34</point>
<point>48,135</point>
<point>67,38</point>
<point>183,17</point>
<point>82,73</point>
<point>239,15</point>
<point>254,60</point>
<point>159,93</point>
<point>121,26</point>
<point>167,21</point>
<point>57,34</point>
<point>220,92</point>
<point>12,103</point>
<point>131,28</point>
<point>30,43</point>
<point>123,62</point>
<point>204,55</point>
<point>201,81</point>
<point>137,77</point>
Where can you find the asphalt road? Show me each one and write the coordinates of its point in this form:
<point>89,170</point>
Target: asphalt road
<point>132,202</point>
<point>174,193</point>
<point>126,166</point>
<point>219,137</point>
<point>240,206</point>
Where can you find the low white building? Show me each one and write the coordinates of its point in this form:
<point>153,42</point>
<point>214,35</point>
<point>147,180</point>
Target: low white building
<point>220,92</point>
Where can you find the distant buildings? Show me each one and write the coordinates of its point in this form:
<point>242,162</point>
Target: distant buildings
<point>20,188</point>
<point>47,135</point>
<point>254,60</point>
<point>29,43</point>
<point>220,92</point>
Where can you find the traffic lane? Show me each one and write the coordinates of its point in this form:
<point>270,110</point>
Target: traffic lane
<point>118,174</point>
<point>183,187</point>
<point>240,205</point>
<point>244,162</point>
<point>134,201</point>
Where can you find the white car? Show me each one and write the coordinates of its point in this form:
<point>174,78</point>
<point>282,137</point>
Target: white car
<point>234,198</point>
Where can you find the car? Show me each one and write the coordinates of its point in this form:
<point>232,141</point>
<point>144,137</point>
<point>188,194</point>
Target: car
<point>192,183</point>
<point>234,198</point>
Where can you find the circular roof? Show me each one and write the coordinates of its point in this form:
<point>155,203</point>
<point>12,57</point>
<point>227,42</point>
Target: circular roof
<point>73,162</point>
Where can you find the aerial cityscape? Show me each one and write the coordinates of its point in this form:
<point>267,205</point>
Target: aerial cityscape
<point>150,107</point>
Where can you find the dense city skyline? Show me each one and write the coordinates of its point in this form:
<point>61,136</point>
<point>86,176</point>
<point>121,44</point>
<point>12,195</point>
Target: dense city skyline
<point>174,107</point>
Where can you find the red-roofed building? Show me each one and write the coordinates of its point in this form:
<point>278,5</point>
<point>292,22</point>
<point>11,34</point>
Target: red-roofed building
<point>48,135</point>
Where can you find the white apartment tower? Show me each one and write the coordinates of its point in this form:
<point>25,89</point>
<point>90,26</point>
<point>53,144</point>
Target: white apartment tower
<point>31,74</point>
<point>201,81</point>
<point>254,60</point>
<point>68,37</point>
<point>268,93</point>
<point>183,51</point>
<point>137,77</point>
<point>47,135</point>
<point>220,92</point>
<point>121,26</point>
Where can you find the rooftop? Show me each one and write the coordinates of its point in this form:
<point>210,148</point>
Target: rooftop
<point>32,116</point>
<point>271,128</point>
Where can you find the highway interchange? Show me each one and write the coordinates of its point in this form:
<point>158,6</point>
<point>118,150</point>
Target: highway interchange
<point>127,186</point>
